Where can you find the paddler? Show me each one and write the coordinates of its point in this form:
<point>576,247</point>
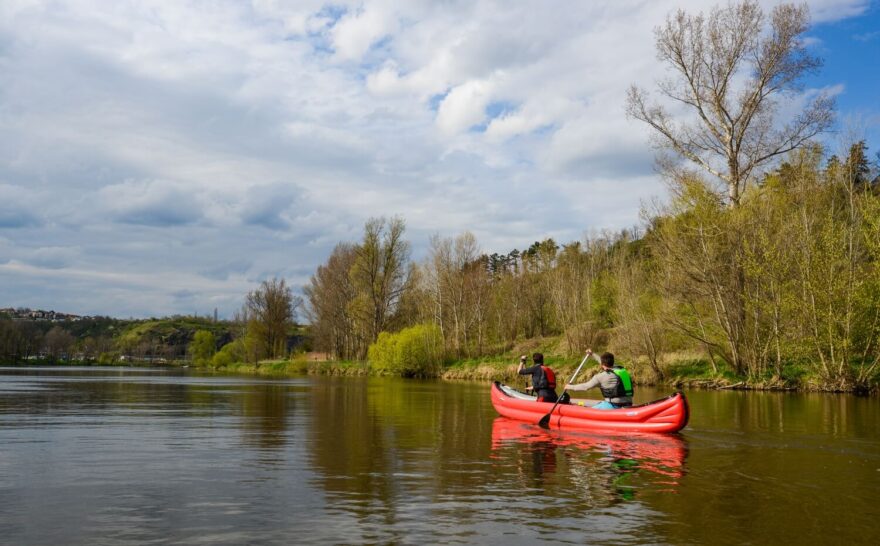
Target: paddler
<point>543,378</point>
<point>614,382</point>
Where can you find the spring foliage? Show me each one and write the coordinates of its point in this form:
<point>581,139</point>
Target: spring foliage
<point>414,351</point>
<point>203,347</point>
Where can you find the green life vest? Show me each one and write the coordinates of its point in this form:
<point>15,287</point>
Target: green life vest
<point>624,385</point>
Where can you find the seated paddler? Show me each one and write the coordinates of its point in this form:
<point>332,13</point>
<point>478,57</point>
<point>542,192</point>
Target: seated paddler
<point>543,378</point>
<point>613,381</point>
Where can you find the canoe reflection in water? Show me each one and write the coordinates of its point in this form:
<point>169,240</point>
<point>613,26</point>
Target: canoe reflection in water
<point>600,469</point>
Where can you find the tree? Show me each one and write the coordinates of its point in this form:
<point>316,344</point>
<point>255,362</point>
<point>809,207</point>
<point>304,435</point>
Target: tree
<point>575,285</point>
<point>330,293</point>
<point>734,130</point>
<point>380,274</point>
<point>58,342</point>
<point>698,259</point>
<point>203,347</point>
<point>640,329</point>
<point>270,313</point>
<point>455,284</point>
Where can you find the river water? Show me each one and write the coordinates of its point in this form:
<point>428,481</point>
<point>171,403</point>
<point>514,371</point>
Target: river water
<point>141,456</point>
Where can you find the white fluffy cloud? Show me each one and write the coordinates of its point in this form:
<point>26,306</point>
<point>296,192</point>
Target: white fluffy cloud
<point>161,157</point>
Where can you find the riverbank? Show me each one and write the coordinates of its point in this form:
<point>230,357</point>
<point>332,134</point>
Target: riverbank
<point>686,372</point>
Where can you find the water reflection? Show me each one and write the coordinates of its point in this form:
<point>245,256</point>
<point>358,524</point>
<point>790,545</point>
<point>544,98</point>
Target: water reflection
<point>149,457</point>
<point>265,412</point>
<point>602,470</point>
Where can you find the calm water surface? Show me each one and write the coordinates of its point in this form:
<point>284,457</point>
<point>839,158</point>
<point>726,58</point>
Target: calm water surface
<point>135,456</point>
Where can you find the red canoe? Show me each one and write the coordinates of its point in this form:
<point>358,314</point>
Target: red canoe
<point>668,414</point>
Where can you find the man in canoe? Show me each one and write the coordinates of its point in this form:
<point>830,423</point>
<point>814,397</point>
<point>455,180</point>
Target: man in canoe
<point>614,382</point>
<point>543,378</point>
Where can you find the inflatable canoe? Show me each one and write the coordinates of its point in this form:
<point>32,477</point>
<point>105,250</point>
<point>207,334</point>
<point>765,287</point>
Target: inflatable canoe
<point>668,414</point>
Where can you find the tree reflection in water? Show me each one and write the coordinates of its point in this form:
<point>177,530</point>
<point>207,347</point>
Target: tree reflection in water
<point>599,469</point>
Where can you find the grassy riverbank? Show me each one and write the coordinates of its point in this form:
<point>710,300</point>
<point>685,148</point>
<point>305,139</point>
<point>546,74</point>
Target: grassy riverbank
<point>298,365</point>
<point>681,371</point>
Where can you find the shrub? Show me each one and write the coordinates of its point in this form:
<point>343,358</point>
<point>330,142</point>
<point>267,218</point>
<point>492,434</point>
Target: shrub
<point>414,351</point>
<point>229,354</point>
<point>108,358</point>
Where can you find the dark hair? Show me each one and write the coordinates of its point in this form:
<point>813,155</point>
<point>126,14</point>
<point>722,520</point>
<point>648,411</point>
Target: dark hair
<point>538,358</point>
<point>607,359</point>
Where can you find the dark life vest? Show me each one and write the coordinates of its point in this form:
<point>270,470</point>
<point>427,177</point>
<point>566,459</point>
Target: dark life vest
<point>624,386</point>
<point>547,380</point>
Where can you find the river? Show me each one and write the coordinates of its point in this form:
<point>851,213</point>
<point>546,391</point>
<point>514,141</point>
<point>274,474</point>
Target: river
<point>122,456</point>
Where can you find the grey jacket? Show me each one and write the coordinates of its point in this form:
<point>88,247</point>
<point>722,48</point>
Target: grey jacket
<point>604,380</point>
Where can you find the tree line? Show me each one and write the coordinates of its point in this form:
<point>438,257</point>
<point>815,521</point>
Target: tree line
<point>787,282</point>
<point>263,328</point>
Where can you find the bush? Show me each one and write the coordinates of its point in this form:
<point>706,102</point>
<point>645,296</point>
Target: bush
<point>108,358</point>
<point>415,351</point>
<point>229,354</point>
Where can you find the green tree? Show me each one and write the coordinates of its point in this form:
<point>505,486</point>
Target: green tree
<point>203,347</point>
<point>380,275</point>
<point>230,353</point>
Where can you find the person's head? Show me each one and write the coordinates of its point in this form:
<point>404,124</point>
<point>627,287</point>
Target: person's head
<point>607,360</point>
<point>538,358</point>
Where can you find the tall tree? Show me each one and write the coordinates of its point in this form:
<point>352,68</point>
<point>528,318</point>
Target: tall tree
<point>203,347</point>
<point>733,130</point>
<point>58,342</point>
<point>455,281</point>
<point>380,274</point>
<point>330,293</point>
<point>270,313</point>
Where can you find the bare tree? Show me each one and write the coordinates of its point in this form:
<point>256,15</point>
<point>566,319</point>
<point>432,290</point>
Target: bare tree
<point>58,342</point>
<point>270,311</point>
<point>455,282</point>
<point>728,71</point>
<point>330,293</point>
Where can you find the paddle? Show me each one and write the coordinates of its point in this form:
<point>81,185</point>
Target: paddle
<point>545,421</point>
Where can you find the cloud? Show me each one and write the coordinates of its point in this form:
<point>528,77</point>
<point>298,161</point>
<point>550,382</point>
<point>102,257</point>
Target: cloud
<point>268,206</point>
<point>160,157</point>
<point>10,217</point>
<point>354,34</point>
<point>827,11</point>
<point>223,271</point>
<point>867,36</point>
<point>18,208</point>
<point>464,107</point>
<point>54,257</point>
<point>156,203</point>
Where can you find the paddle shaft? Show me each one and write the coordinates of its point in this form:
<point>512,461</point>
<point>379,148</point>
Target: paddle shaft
<point>545,421</point>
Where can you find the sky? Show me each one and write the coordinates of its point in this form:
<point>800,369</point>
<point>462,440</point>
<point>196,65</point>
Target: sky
<point>165,157</point>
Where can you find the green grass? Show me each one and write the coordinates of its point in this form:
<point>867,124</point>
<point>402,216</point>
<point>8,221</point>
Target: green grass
<point>687,371</point>
<point>690,369</point>
<point>295,366</point>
